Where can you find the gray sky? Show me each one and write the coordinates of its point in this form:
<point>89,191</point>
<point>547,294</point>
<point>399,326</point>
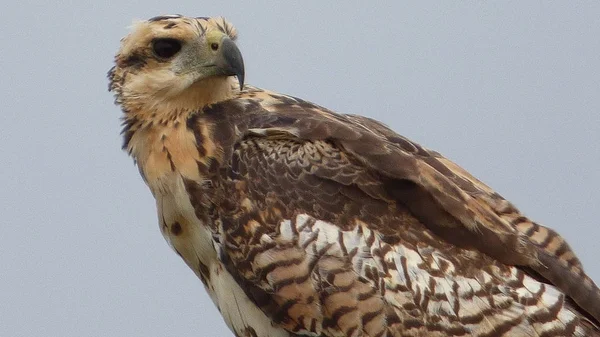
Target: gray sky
<point>509,90</point>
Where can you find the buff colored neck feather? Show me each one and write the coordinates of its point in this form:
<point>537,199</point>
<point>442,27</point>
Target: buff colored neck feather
<point>160,108</point>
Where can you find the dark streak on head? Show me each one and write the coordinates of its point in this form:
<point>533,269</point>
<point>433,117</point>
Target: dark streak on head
<point>164,17</point>
<point>222,29</point>
<point>170,25</point>
<point>135,61</point>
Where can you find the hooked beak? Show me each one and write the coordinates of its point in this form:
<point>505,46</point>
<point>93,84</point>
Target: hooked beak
<point>231,61</point>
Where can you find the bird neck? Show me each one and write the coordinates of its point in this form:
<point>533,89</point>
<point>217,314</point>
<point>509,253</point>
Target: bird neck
<point>157,110</point>
<point>152,127</point>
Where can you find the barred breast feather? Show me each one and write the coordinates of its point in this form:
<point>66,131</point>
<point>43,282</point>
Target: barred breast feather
<point>333,225</point>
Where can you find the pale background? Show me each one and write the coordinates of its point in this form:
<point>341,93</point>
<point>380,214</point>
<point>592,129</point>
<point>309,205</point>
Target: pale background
<point>510,90</point>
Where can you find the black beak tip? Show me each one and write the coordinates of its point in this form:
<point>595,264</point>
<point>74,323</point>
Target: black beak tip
<point>234,60</point>
<point>240,78</point>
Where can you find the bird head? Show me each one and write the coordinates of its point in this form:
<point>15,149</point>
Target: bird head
<point>177,63</point>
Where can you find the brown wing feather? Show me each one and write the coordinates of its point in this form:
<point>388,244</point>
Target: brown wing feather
<point>446,199</point>
<point>556,260</point>
<point>543,237</point>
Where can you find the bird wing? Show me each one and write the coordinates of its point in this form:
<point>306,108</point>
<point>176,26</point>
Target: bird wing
<point>309,189</point>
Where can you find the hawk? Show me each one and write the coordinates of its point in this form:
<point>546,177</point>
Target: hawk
<point>300,221</point>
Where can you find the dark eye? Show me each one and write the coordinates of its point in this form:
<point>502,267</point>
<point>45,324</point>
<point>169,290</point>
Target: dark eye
<point>166,48</point>
<point>214,46</point>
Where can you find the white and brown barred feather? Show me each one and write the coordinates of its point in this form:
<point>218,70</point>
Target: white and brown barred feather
<point>343,228</point>
<point>304,222</point>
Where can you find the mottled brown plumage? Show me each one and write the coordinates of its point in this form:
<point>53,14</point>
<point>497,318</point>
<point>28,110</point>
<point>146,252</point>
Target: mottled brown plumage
<point>302,221</point>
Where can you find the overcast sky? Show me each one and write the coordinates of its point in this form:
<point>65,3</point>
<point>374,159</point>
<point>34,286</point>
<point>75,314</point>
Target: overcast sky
<point>509,90</point>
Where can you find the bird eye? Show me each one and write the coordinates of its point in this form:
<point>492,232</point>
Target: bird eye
<point>214,46</point>
<point>166,48</point>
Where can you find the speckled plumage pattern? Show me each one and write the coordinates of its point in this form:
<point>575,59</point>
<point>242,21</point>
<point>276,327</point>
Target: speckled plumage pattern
<point>304,222</point>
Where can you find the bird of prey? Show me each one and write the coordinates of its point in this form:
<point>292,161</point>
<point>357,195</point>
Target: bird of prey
<point>301,221</point>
